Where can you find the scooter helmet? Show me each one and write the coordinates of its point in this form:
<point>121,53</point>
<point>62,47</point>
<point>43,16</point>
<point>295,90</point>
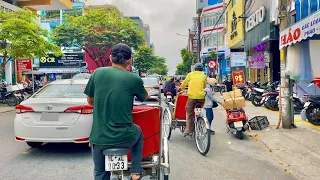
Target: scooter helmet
<point>198,67</point>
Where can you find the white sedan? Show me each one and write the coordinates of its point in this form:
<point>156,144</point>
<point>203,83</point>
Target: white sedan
<point>57,113</point>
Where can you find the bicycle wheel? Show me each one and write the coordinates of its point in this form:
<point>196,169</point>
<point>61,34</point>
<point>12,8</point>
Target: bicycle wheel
<point>202,136</point>
<point>167,129</point>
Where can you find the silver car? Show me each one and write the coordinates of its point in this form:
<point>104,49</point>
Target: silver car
<point>152,86</point>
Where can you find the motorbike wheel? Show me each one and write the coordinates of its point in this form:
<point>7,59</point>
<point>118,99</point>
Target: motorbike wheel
<point>12,101</point>
<point>216,89</point>
<point>202,136</point>
<point>313,115</point>
<point>272,104</point>
<point>256,101</point>
<point>239,134</point>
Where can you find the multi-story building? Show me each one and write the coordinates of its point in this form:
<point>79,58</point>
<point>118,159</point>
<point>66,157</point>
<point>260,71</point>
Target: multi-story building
<point>212,37</point>
<point>152,47</point>
<point>146,30</point>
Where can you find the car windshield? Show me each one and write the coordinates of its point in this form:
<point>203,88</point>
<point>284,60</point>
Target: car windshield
<point>150,81</point>
<point>62,91</point>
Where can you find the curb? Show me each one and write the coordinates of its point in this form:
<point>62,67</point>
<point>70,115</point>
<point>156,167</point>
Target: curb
<point>1,112</point>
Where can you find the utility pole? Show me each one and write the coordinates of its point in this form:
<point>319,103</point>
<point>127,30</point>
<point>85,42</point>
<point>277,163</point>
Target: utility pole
<point>285,101</point>
<point>199,32</point>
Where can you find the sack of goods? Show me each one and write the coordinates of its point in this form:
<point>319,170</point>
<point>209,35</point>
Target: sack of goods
<point>234,99</point>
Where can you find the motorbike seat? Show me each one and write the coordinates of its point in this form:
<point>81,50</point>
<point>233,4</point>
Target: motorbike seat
<point>116,151</point>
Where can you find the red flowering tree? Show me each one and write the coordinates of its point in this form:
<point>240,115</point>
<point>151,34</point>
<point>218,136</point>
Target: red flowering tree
<point>96,32</point>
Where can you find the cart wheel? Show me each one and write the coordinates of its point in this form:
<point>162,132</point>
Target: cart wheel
<point>202,136</point>
<point>167,123</point>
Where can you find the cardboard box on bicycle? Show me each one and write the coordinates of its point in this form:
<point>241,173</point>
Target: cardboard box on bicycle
<point>238,102</point>
<point>232,94</point>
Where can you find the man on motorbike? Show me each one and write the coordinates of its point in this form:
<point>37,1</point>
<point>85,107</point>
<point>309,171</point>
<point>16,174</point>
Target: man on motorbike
<point>111,91</point>
<point>196,94</point>
<point>170,87</point>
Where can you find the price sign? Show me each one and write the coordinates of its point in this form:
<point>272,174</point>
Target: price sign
<point>212,64</point>
<point>238,77</point>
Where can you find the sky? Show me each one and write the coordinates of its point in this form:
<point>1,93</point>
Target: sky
<point>166,18</point>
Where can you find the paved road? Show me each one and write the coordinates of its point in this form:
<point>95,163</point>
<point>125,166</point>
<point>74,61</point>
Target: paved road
<point>228,158</point>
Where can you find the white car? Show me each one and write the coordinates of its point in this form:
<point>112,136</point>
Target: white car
<point>57,113</point>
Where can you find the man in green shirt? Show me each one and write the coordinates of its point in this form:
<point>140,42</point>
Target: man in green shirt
<point>111,90</point>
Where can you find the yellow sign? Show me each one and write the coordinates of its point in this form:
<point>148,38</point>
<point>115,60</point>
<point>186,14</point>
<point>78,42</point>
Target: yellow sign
<point>235,23</point>
<point>47,59</point>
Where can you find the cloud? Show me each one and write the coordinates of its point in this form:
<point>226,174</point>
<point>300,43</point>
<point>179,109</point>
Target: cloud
<point>166,18</point>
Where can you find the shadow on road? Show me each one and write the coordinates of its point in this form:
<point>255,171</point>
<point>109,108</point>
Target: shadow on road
<point>60,150</point>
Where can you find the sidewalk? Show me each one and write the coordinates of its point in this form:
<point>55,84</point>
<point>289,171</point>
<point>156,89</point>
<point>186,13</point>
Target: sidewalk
<point>5,108</point>
<point>297,150</point>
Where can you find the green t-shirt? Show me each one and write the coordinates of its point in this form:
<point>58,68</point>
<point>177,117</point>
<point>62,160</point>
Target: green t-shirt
<point>113,90</point>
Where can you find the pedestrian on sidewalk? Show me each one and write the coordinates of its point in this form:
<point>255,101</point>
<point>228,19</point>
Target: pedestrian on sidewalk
<point>229,84</point>
<point>210,101</point>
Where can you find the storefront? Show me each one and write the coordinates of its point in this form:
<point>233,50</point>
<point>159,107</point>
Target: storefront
<point>62,67</point>
<point>235,37</point>
<point>261,39</point>
<point>303,42</point>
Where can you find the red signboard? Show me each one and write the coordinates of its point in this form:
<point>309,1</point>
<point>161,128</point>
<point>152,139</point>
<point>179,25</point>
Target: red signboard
<point>23,65</point>
<point>238,77</point>
<point>212,64</point>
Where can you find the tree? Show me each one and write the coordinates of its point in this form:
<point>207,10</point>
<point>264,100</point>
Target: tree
<point>97,32</point>
<point>187,58</point>
<point>213,54</point>
<point>144,59</point>
<point>22,37</point>
<point>159,67</point>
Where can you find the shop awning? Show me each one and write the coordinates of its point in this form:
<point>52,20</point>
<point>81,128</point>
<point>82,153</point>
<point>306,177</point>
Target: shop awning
<point>59,70</point>
<point>301,30</point>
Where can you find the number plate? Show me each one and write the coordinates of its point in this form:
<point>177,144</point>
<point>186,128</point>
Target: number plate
<point>168,97</point>
<point>49,117</point>
<point>307,104</point>
<point>116,163</point>
<point>238,124</point>
<point>148,89</point>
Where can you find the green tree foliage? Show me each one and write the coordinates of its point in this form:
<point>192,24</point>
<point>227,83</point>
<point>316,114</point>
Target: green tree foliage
<point>22,37</point>
<point>97,32</point>
<point>213,54</point>
<point>143,59</point>
<point>159,67</point>
<point>184,67</point>
<point>146,62</point>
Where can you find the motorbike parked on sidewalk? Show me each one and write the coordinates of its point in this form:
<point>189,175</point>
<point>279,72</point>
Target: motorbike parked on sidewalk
<point>312,108</point>
<point>219,88</point>
<point>256,95</point>
<point>237,121</point>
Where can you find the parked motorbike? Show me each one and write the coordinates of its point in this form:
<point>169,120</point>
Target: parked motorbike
<point>257,94</point>
<point>219,88</point>
<point>250,89</point>
<point>312,108</point>
<point>237,122</point>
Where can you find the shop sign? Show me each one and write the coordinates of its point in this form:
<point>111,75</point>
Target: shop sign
<point>256,18</point>
<point>23,65</point>
<point>238,59</point>
<point>235,24</point>
<point>301,30</point>
<point>238,77</point>
<point>69,60</point>
<point>258,60</point>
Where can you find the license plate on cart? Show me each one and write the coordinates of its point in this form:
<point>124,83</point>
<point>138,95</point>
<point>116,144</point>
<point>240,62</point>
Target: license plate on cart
<point>168,97</point>
<point>116,163</point>
<point>238,124</point>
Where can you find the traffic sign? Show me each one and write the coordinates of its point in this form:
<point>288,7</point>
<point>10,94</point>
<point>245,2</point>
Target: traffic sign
<point>212,64</point>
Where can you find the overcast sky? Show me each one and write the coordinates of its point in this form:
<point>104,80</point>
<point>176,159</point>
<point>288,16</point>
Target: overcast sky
<point>166,18</point>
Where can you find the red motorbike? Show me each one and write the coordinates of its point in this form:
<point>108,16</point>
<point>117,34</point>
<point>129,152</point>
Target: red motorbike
<point>237,121</point>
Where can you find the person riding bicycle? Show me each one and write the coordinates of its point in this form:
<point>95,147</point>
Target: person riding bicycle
<point>111,91</point>
<point>170,87</point>
<point>196,94</point>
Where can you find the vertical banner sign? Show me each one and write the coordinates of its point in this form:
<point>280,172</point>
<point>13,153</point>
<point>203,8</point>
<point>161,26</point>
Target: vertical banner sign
<point>23,65</point>
<point>238,77</point>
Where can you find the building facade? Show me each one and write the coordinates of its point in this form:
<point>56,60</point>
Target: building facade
<point>146,30</point>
